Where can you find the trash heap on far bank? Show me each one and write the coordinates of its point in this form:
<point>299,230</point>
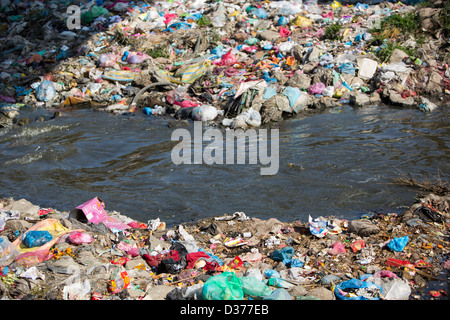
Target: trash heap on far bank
<point>90,253</point>
<point>235,62</point>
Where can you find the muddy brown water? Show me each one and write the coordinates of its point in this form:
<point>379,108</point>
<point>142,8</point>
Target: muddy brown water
<point>340,162</point>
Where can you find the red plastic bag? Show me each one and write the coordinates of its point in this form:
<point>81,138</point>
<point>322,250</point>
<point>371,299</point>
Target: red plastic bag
<point>358,245</point>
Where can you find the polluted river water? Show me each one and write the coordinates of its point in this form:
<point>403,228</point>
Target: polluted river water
<point>341,162</point>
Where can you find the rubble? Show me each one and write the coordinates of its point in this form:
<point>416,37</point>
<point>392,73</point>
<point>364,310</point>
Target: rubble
<point>125,57</point>
<point>90,253</point>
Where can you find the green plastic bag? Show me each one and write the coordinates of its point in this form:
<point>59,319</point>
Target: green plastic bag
<point>254,287</point>
<point>88,16</point>
<point>224,286</point>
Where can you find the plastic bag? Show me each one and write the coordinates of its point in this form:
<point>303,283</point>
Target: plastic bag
<point>279,294</point>
<point>316,88</point>
<point>77,290</point>
<point>36,238</point>
<point>398,244</point>
<point>45,91</point>
<point>270,273</point>
<point>279,283</point>
<point>204,113</point>
<point>399,289</point>
<point>292,94</point>
<point>137,58</point>
<point>228,59</point>
<point>284,32</point>
<point>355,289</point>
<point>107,60</point>
<point>282,21</point>
<point>347,68</point>
<point>303,22</point>
<point>269,92</point>
<point>80,238</point>
<point>8,251</point>
<point>30,259</point>
<point>119,282</point>
<point>260,13</point>
<point>427,105</point>
<point>224,286</point>
<point>336,248</point>
<point>251,286</point>
<point>328,91</point>
<point>284,255</point>
<point>287,8</point>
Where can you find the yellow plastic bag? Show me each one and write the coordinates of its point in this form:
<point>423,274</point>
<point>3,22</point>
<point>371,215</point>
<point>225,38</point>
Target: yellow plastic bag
<point>339,92</point>
<point>303,22</point>
<point>336,4</point>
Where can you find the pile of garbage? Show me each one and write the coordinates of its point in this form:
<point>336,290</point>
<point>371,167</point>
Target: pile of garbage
<point>90,253</point>
<point>239,63</point>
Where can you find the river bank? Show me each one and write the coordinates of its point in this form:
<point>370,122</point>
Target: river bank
<point>238,64</point>
<point>91,253</point>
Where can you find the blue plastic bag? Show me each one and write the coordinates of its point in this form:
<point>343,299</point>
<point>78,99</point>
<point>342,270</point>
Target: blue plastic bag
<point>297,263</point>
<point>269,92</point>
<point>292,94</point>
<point>271,273</point>
<point>260,13</point>
<point>36,238</point>
<point>343,289</point>
<point>282,21</point>
<point>398,244</point>
<point>284,254</point>
<point>347,68</point>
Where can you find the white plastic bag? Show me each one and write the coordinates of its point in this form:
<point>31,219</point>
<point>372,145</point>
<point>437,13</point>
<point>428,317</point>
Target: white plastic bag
<point>399,290</point>
<point>8,252</point>
<point>77,290</point>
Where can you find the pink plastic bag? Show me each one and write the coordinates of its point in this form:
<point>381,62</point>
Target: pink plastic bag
<point>336,248</point>
<point>186,103</point>
<point>228,59</point>
<point>169,17</point>
<point>80,238</point>
<point>107,60</point>
<point>316,88</point>
<point>137,58</point>
<point>284,32</point>
<point>30,259</point>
